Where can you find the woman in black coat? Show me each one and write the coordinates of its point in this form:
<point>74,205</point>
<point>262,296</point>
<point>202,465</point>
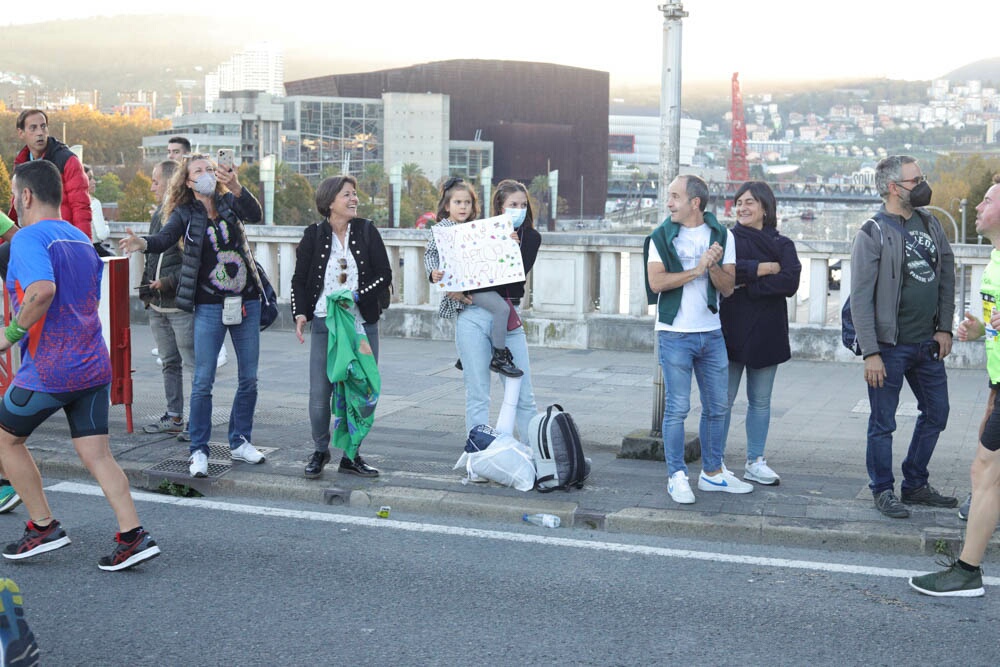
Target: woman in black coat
<point>341,252</point>
<point>755,317</point>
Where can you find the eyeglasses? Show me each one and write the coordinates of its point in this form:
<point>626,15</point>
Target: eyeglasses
<point>343,270</point>
<point>916,180</point>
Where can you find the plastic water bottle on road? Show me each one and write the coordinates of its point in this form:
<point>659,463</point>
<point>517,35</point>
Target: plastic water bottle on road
<point>545,520</point>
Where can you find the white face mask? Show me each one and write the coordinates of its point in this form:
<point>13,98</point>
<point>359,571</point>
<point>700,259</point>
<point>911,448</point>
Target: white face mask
<point>204,184</point>
<point>516,215</point>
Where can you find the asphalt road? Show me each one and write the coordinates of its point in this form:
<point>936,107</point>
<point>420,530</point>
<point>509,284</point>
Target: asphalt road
<point>284,583</point>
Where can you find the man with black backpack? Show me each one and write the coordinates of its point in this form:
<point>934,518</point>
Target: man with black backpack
<point>902,305</point>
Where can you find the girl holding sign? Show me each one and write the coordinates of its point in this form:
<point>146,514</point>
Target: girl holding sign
<point>473,326</point>
<point>458,204</point>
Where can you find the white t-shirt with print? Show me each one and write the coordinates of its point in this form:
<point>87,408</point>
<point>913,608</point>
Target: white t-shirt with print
<point>693,315</point>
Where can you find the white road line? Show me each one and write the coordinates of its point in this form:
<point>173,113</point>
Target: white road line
<point>259,510</point>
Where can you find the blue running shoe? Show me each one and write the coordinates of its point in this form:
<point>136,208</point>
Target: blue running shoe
<point>17,641</point>
<point>8,498</point>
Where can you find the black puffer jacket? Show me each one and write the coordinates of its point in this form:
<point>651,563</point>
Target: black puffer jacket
<point>191,222</point>
<point>313,254</point>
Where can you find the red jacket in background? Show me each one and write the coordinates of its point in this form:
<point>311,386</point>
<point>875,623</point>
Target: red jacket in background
<point>76,187</point>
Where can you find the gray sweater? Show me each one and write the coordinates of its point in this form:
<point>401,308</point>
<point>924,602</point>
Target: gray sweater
<point>877,279</point>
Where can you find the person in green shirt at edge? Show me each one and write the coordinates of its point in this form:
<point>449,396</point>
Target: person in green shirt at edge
<point>964,576</point>
<point>8,496</point>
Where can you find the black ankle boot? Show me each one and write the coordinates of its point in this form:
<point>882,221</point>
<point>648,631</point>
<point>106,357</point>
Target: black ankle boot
<point>503,363</point>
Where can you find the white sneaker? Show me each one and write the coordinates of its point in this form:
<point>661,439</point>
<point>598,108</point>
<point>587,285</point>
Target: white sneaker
<point>760,472</point>
<point>246,452</point>
<point>680,489</point>
<point>222,358</point>
<point>155,352</point>
<point>199,464</point>
<point>724,481</point>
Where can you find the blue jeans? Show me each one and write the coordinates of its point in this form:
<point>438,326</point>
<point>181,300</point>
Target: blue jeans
<point>929,382</point>
<point>760,382</point>
<point>475,349</point>
<point>320,387</point>
<point>209,336</point>
<point>704,355</point>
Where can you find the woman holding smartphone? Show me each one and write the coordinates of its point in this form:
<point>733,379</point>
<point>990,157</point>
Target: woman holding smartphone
<point>219,283</point>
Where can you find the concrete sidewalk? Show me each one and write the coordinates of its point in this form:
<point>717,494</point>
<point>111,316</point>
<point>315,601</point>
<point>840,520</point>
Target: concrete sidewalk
<point>816,443</point>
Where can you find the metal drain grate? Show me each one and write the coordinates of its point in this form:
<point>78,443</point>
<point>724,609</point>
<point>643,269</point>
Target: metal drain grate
<point>219,461</point>
<point>181,466</point>
<point>220,452</point>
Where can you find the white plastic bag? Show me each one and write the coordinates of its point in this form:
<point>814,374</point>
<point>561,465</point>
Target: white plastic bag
<point>506,461</point>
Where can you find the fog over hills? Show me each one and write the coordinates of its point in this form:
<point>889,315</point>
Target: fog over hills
<point>128,53</point>
<point>151,52</point>
<point>987,71</point>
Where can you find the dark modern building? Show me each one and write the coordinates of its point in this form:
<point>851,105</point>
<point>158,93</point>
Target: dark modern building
<point>539,116</point>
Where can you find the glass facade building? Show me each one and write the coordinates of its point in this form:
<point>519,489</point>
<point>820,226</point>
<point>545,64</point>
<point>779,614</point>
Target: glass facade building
<point>322,132</point>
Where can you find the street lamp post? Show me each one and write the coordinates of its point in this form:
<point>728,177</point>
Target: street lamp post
<point>670,156</point>
<point>670,98</point>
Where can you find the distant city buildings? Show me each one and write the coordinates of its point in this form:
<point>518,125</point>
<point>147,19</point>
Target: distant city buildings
<point>634,143</point>
<point>249,122</point>
<point>522,118</point>
<point>259,67</point>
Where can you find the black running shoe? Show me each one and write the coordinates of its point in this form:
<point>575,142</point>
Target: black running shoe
<point>887,503</point>
<point>130,554</point>
<point>37,540</point>
<point>927,495</point>
<point>17,641</point>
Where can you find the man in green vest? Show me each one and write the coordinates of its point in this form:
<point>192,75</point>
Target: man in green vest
<point>690,262</point>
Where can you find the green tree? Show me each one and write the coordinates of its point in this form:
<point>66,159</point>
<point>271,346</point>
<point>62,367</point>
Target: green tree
<point>136,200</point>
<point>374,180</point>
<point>5,192</point>
<point>294,197</point>
<point>330,170</point>
<point>421,198</point>
<point>411,172</point>
<point>109,187</point>
<point>957,177</point>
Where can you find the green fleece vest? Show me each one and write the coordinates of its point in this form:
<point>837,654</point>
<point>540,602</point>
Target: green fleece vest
<point>663,236</point>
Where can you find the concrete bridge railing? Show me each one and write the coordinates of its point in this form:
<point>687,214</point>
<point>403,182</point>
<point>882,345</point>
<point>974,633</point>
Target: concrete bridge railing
<point>587,290</point>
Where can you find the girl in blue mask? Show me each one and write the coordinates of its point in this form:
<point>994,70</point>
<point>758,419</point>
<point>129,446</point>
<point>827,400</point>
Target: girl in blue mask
<point>458,204</point>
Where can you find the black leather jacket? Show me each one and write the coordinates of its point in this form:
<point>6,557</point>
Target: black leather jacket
<point>313,254</point>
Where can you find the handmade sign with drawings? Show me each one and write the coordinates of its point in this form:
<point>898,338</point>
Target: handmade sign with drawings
<point>478,254</point>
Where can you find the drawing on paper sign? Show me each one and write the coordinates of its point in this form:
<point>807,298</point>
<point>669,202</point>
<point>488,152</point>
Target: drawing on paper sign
<point>478,254</point>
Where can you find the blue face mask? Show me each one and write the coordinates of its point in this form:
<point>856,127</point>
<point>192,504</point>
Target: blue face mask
<point>516,215</point>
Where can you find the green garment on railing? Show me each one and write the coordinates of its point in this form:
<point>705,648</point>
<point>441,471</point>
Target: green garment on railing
<point>354,374</point>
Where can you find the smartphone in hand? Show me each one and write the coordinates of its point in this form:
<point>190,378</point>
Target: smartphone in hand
<point>225,159</point>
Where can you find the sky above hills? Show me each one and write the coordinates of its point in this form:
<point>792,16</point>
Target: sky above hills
<point>763,40</point>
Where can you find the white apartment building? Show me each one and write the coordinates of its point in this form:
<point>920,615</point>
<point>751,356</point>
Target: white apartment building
<point>259,67</point>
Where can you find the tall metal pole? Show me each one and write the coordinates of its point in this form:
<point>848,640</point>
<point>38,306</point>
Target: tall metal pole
<point>670,100</point>
<point>670,153</point>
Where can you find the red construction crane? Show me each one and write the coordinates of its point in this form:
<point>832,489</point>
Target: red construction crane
<point>737,166</point>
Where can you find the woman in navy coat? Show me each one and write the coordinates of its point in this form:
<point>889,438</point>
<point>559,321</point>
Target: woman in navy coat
<point>755,317</point>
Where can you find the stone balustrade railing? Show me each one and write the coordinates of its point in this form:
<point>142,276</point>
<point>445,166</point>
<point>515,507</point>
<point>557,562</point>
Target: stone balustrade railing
<point>587,289</point>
